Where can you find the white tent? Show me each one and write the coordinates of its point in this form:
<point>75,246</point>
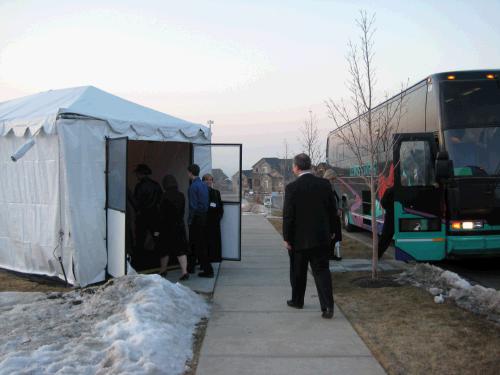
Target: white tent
<point>52,199</point>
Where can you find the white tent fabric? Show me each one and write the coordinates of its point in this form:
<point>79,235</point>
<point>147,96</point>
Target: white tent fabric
<point>30,210</point>
<point>41,110</point>
<point>58,187</point>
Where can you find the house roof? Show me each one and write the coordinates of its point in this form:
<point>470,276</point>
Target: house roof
<point>247,173</point>
<point>33,112</point>
<point>219,174</point>
<point>277,163</point>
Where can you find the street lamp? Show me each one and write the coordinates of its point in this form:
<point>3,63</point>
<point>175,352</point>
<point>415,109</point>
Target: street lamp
<point>210,123</point>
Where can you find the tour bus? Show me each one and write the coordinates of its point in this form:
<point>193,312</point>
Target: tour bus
<point>445,169</point>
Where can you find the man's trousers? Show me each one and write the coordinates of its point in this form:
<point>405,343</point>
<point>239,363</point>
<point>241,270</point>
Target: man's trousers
<point>319,260</point>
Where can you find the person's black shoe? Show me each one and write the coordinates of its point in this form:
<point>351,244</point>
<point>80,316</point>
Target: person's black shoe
<point>184,277</point>
<point>327,314</point>
<point>337,258</point>
<point>293,304</point>
<point>208,275</point>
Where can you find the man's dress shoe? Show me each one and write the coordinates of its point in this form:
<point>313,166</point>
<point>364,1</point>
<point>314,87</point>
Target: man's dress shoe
<point>293,304</point>
<point>327,314</point>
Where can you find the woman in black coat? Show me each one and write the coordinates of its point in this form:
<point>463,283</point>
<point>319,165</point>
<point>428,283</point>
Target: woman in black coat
<point>215,213</point>
<point>173,238</point>
<point>330,176</point>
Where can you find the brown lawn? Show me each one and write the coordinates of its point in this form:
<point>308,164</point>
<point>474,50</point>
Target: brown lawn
<point>410,334</point>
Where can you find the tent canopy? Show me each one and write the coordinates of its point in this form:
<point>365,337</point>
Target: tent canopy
<point>31,113</point>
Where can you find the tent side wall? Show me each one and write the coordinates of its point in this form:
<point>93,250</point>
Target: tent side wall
<point>31,214</point>
<point>83,151</point>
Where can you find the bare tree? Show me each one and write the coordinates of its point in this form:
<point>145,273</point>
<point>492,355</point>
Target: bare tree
<point>367,134</point>
<point>310,140</point>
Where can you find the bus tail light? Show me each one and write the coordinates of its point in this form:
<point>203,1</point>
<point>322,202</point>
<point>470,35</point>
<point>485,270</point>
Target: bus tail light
<point>451,77</point>
<point>466,225</point>
<point>490,76</point>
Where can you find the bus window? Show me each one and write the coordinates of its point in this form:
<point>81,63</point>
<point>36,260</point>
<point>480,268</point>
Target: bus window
<point>470,104</point>
<point>474,151</point>
<point>416,165</point>
<point>413,111</point>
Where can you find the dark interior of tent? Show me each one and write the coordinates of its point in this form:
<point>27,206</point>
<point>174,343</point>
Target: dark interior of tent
<point>162,158</point>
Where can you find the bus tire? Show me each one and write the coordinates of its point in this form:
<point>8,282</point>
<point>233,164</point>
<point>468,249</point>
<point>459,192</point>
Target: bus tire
<point>345,218</point>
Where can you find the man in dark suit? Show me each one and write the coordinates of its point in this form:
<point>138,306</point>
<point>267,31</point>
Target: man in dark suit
<point>214,217</point>
<point>308,227</point>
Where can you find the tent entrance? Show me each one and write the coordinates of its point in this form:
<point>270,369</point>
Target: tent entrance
<point>223,161</point>
<point>162,158</point>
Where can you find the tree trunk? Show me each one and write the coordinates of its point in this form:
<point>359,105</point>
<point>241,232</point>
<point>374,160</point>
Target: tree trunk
<point>373,197</point>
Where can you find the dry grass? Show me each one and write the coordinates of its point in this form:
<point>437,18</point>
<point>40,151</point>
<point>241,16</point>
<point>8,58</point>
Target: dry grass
<point>15,282</point>
<point>410,334</point>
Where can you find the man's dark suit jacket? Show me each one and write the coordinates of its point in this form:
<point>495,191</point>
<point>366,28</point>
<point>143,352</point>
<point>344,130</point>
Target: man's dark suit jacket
<point>309,213</point>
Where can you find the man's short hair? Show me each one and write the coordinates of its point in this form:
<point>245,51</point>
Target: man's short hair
<point>194,169</point>
<point>302,161</point>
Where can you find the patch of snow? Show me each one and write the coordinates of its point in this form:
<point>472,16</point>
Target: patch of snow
<point>439,299</point>
<point>449,285</point>
<point>435,291</point>
<point>135,324</point>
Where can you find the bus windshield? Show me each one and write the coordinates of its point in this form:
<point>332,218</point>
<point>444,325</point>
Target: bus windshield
<point>474,151</point>
<point>470,104</point>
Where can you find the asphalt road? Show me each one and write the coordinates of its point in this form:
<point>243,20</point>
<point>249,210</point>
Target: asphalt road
<point>485,272</point>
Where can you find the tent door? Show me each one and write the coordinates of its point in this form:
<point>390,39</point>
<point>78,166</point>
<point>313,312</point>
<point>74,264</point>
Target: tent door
<point>116,204</point>
<point>223,162</point>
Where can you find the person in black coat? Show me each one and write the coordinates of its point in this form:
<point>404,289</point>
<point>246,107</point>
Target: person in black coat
<point>387,203</point>
<point>214,216</point>
<point>173,238</point>
<point>147,195</point>
<point>308,227</point>
<point>330,176</point>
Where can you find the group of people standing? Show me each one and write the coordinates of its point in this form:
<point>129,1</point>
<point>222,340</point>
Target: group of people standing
<point>160,213</point>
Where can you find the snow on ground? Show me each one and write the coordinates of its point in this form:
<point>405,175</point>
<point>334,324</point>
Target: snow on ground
<point>445,284</point>
<point>134,324</point>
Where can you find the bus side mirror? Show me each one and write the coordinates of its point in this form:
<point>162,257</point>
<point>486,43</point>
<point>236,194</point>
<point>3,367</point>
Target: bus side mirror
<point>444,166</point>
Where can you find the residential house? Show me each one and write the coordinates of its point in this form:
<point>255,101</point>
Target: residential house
<point>221,181</point>
<point>246,181</point>
<point>271,175</point>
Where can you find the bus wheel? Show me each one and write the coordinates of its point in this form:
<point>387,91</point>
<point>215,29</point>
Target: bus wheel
<point>345,220</point>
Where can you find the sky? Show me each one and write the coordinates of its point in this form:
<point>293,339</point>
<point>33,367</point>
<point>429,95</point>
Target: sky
<point>255,68</point>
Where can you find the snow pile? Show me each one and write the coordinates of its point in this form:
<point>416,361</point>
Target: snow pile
<point>135,325</point>
<point>445,284</point>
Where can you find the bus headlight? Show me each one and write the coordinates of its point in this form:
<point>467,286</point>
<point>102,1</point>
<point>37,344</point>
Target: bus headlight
<point>466,225</point>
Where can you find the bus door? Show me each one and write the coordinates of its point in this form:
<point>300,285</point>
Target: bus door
<point>419,227</point>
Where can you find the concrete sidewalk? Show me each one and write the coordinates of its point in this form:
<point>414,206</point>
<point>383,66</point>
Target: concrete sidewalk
<point>253,331</point>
